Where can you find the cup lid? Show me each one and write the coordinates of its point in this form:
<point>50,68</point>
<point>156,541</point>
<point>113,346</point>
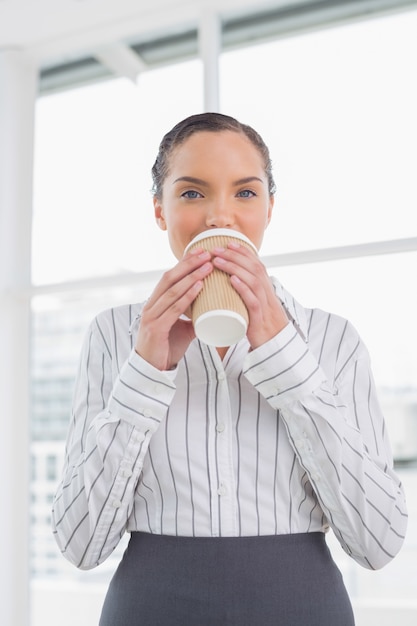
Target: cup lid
<point>220,327</point>
<point>216,232</point>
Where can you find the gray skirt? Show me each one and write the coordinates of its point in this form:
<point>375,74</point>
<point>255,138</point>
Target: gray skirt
<point>282,580</point>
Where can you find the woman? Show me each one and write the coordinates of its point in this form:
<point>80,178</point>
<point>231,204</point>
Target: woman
<point>226,465</point>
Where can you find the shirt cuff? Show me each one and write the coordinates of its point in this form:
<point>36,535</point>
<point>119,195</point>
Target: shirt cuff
<point>284,368</point>
<point>141,393</point>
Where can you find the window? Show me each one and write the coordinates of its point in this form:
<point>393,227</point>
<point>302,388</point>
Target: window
<point>95,150</point>
<point>337,108</point>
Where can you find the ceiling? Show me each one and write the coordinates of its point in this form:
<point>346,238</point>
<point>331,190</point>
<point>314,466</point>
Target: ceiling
<point>54,29</point>
<point>54,32</point>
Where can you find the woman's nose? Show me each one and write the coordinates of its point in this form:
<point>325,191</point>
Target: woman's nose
<point>220,216</point>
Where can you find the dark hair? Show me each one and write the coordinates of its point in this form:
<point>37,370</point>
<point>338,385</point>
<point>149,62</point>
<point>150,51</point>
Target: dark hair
<point>212,122</point>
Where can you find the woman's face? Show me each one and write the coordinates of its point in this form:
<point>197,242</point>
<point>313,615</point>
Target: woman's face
<point>215,180</point>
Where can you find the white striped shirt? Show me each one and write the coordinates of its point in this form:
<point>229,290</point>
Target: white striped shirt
<point>287,438</point>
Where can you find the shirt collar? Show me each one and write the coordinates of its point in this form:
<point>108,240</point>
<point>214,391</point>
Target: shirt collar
<point>294,310</point>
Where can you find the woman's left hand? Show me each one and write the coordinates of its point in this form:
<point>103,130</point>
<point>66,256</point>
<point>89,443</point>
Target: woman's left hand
<point>249,277</point>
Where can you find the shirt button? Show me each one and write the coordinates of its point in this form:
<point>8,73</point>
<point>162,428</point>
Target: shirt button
<point>221,376</point>
<point>127,473</point>
<point>140,437</point>
<point>146,413</point>
<point>220,427</point>
<point>315,477</point>
<point>222,491</point>
<point>116,504</point>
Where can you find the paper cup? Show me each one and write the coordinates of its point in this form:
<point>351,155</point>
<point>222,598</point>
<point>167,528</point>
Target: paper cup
<point>218,313</point>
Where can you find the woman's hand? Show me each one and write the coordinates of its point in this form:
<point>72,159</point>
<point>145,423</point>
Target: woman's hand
<point>163,337</point>
<point>250,279</point>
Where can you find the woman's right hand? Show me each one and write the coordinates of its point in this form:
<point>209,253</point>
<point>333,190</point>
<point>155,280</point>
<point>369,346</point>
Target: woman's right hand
<point>163,337</point>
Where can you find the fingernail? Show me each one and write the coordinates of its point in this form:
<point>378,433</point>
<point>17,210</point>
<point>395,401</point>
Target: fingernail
<point>195,251</point>
<point>200,253</point>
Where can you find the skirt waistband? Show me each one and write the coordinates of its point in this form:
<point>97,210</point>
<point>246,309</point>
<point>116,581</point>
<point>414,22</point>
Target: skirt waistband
<point>288,580</point>
<point>235,542</point>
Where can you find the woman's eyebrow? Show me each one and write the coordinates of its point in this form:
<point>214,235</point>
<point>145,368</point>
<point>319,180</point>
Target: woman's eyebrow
<point>248,179</point>
<point>190,179</point>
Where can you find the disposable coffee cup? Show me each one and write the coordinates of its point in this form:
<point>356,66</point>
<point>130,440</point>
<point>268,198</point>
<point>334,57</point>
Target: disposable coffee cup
<point>219,315</point>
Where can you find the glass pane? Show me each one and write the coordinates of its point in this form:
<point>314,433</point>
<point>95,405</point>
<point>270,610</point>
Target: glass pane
<point>95,147</point>
<point>374,293</point>
<point>59,324</point>
<point>377,295</point>
<point>337,108</point>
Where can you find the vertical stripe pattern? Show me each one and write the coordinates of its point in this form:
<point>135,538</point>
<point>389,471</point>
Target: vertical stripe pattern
<point>287,438</point>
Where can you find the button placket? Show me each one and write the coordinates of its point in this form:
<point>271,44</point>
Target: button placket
<point>220,454</point>
<point>222,490</point>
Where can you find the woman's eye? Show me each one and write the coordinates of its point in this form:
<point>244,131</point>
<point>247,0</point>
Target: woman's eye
<point>191,195</point>
<point>246,193</point>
